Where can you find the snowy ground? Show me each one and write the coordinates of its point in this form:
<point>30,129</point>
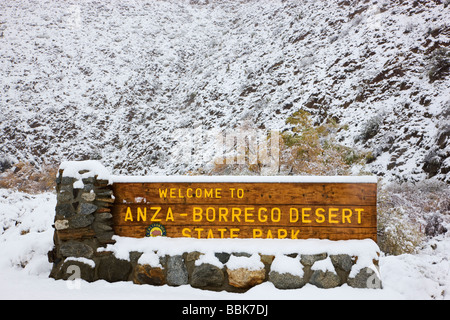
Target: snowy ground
<point>26,237</point>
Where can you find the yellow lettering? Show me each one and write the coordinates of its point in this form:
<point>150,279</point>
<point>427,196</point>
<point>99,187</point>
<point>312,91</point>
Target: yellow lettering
<point>186,232</point>
<point>172,193</point>
<point>141,215</point>
<point>128,215</point>
<point>189,195</point>
<point>260,216</point>
<point>236,214</point>
<point>222,231</point>
<point>223,213</point>
<point>249,215</point>
<point>240,193</point>
<point>169,215</point>
<point>198,193</point>
<point>233,234</point>
<point>197,214</point>
<point>213,216</point>
<point>158,209</point>
<point>208,194</point>
<point>269,234</point>
<point>359,211</point>
<point>218,193</point>
<point>278,212</point>
<point>346,214</point>
<point>294,234</point>
<point>210,234</point>
<point>257,233</point>
<point>332,215</point>
<point>162,193</point>
<point>179,194</point>
<point>306,215</point>
<point>232,192</point>
<point>282,233</point>
<point>321,216</point>
<point>199,232</point>
<point>291,216</point>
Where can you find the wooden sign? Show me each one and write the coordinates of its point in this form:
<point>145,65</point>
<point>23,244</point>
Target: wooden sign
<point>254,208</point>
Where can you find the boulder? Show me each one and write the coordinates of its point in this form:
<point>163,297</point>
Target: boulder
<point>244,278</point>
<point>286,280</point>
<point>207,275</point>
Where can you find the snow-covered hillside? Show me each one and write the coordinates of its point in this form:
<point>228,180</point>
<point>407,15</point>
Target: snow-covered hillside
<point>114,80</point>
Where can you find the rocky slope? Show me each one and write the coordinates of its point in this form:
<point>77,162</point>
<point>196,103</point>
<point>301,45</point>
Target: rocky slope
<point>114,80</point>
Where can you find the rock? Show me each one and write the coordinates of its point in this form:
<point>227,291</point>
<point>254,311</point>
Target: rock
<point>365,278</point>
<point>73,270</point>
<point>64,196</point>
<point>145,274</point>
<point>87,208</point>
<point>81,221</point>
<point>325,279</point>
<point>177,274</point>
<point>61,224</point>
<point>244,278</point>
<point>207,275</point>
<point>112,269</point>
<point>286,280</point>
<point>88,196</point>
<point>222,256</point>
<point>76,249</point>
<point>342,261</point>
<point>309,259</point>
<point>65,210</point>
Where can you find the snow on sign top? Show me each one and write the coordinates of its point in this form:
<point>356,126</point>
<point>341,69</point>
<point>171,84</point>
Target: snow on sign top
<point>244,179</point>
<point>93,168</point>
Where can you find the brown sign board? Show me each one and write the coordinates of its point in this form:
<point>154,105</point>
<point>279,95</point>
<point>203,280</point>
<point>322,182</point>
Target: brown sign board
<point>338,209</point>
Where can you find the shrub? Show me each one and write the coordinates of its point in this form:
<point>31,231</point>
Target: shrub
<point>313,150</point>
<point>5,164</point>
<point>408,213</point>
<point>439,64</point>
<point>305,150</point>
<point>370,129</point>
<point>26,177</point>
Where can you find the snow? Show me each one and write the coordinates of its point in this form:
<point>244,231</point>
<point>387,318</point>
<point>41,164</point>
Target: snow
<point>286,264</point>
<point>244,179</point>
<point>150,258</point>
<point>26,237</point>
<point>251,263</point>
<point>323,265</point>
<point>177,246</point>
<point>209,258</point>
<point>93,168</point>
<point>115,80</point>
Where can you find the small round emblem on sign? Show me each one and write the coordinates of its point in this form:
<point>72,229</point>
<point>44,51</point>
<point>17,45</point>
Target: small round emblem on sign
<point>155,230</point>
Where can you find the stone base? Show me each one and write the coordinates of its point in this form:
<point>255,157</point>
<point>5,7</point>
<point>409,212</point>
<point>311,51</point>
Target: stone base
<point>185,269</point>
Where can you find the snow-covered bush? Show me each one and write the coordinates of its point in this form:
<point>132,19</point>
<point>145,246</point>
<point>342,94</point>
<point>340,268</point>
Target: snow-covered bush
<point>370,128</point>
<point>439,64</point>
<point>306,149</point>
<point>408,213</point>
<point>5,164</point>
<point>313,150</point>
